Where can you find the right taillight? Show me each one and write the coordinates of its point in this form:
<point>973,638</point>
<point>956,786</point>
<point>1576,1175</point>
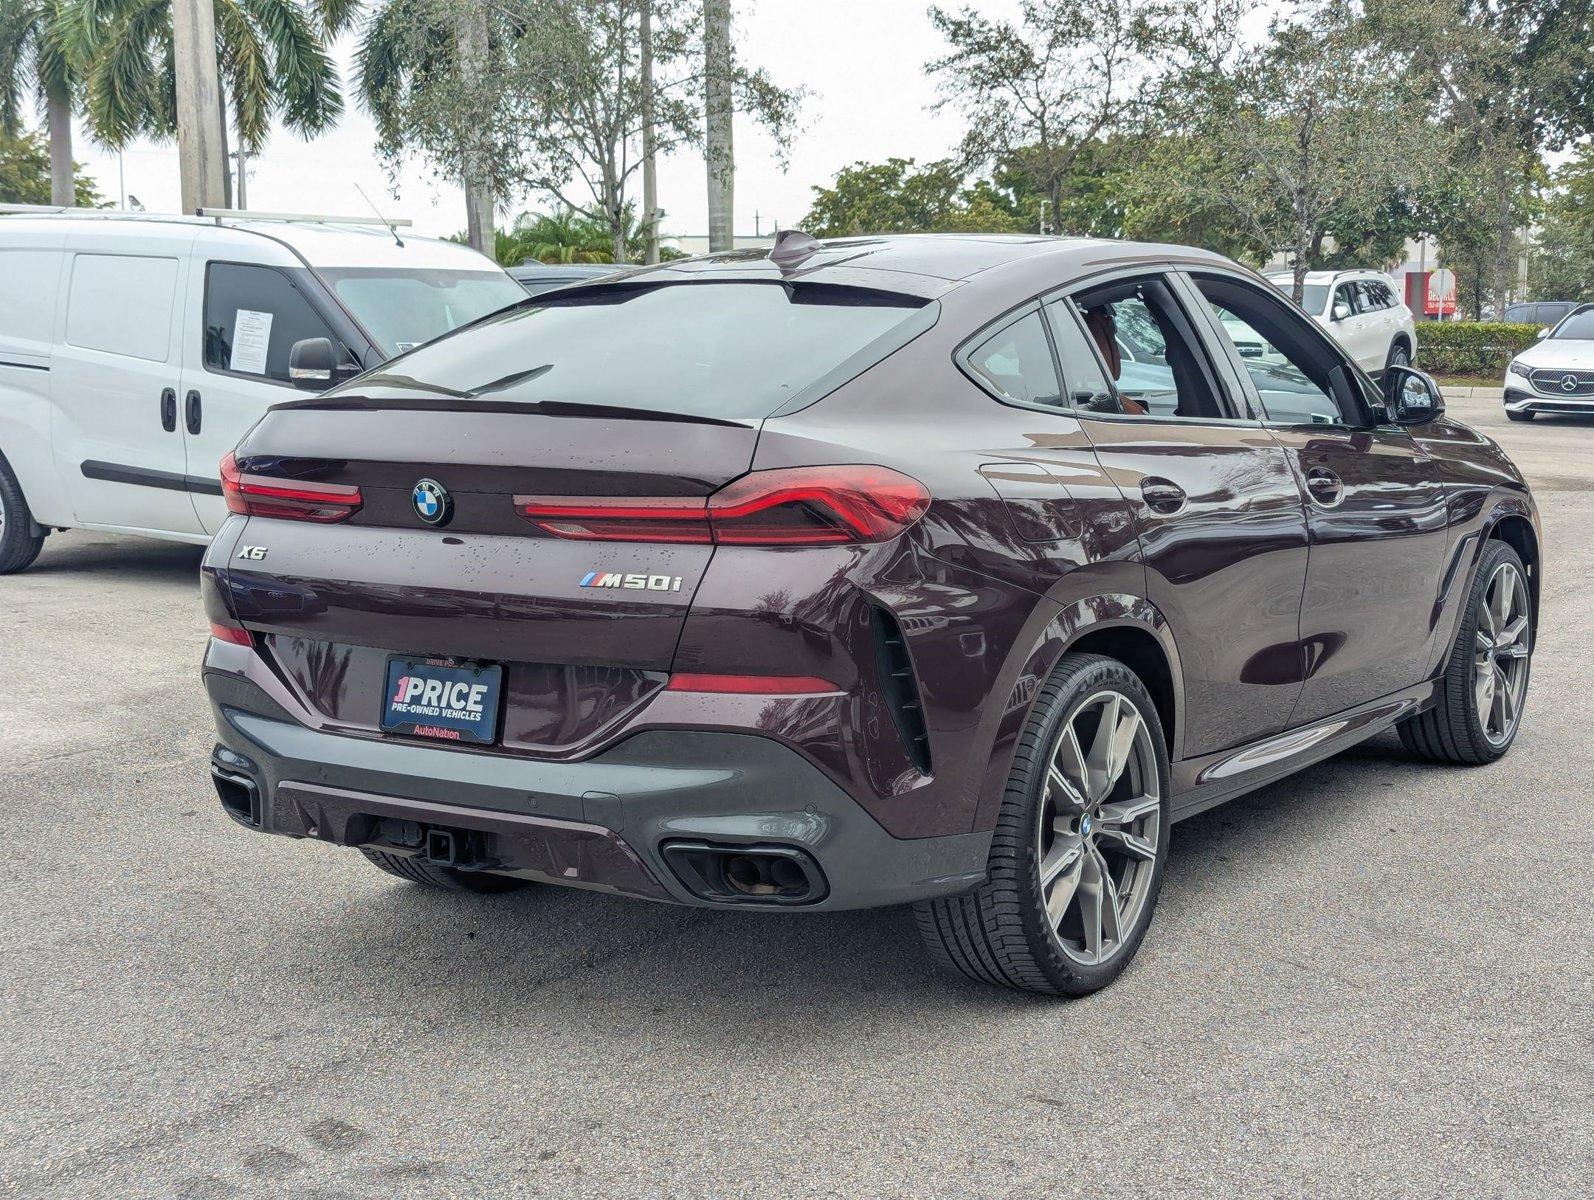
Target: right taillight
<point>288,500</point>
<point>791,506</point>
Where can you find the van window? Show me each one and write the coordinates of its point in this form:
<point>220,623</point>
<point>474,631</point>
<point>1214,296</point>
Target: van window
<point>122,304</point>
<point>27,301</point>
<point>253,316</point>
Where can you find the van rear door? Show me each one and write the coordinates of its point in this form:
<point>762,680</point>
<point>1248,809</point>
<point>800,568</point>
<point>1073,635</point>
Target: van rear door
<point>115,379</point>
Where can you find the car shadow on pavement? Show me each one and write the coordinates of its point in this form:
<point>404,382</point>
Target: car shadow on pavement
<point>128,559</point>
<point>571,958</point>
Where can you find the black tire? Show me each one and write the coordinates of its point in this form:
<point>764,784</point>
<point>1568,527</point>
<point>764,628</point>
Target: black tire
<point>1452,730</point>
<point>448,878</point>
<point>1399,355</point>
<point>19,545</point>
<point>1524,415</point>
<point>1001,933</point>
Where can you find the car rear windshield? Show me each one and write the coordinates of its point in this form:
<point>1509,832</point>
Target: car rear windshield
<point>1580,325</point>
<point>725,349</point>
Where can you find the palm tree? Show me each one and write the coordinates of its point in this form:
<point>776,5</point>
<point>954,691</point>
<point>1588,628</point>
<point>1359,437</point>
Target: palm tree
<point>407,47</point>
<point>563,237</point>
<point>35,36</point>
<point>272,56</point>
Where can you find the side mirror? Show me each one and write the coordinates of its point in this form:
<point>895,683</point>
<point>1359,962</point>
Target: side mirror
<point>1341,311</point>
<point>1543,333</point>
<point>1412,397</point>
<point>314,365</point>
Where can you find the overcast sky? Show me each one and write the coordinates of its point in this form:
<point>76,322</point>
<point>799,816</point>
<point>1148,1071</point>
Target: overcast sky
<point>861,59</point>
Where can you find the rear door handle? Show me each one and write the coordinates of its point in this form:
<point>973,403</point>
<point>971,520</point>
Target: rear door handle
<point>1162,495</point>
<point>192,413</point>
<point>169,409</point>
<point>1325,487</point>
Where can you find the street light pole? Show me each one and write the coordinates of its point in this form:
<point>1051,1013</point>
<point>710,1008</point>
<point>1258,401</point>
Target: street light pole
<point>199,137</point>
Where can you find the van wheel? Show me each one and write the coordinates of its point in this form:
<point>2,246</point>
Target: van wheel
<point>1077,857</point>
<point>448,878</point>
<point>19,545</point>
<point>1485,684</point>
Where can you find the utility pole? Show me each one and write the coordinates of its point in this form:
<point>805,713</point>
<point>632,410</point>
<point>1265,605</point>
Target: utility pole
<point>199,138</point>
<point>719,108</point>
<point>650,180</point>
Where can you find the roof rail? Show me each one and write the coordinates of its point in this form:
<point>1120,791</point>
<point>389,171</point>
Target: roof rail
<point>216,214</point>
<point>241,214</point>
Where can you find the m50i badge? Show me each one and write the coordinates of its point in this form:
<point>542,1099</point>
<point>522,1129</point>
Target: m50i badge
<point>634,582</point>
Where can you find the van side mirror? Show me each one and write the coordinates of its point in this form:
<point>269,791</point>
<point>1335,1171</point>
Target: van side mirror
<point>1412,397</point>
<point>314,365</point>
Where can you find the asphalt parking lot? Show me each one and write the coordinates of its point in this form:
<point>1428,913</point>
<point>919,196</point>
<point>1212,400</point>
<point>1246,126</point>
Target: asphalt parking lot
<point>1371,979</point>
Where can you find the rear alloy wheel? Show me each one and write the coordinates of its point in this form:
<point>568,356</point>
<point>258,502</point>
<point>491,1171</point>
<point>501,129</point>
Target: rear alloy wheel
<point>1485,685</point>
<point>449,878</point>
<point>19,545</point>
<point>1077,856</point>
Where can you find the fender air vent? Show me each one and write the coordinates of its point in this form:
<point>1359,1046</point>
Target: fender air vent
<point>900,687</point>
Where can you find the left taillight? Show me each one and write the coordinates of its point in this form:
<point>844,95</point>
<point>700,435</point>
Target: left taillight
<point>284,499</point>
<point>793,506</point>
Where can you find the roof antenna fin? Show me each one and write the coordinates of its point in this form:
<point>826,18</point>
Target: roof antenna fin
<point>791,247</point>
<point>396,240</point>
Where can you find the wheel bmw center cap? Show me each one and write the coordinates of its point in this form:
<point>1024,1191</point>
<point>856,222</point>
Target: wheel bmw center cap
<point>1084,825</point>
<point>432,502</point>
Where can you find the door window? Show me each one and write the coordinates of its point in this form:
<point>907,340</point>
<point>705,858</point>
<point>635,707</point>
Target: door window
<point>122,304</point>
<point>1143,342</point>
<point>253,316</point>
<point>1299,380</point>
<point>1344,301</point>
<point>1016,363</point>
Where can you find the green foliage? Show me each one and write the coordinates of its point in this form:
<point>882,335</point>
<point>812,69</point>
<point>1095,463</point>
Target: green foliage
<point>897,196</point>
<point>570,237</point>
<point>1471,347</point>
<point>35,38</point>
<point>25,173</point>
<point>272,56</point>
<point>1562,267</point>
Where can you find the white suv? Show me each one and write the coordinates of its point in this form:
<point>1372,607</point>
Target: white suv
<point>1363,312</point>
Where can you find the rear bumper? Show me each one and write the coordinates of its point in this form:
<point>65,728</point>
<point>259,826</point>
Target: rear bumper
<point>599,823</point>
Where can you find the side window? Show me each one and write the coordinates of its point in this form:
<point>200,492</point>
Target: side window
<point>253,316</point>
<point>1085,380</point>
<point>1145,343</point>
<point>1016,363</point>
<point>122,304</point>
<point>1344,301</point>
<point>1293,371</point>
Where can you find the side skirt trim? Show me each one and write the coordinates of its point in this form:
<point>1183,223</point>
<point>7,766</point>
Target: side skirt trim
<point>144,477</point>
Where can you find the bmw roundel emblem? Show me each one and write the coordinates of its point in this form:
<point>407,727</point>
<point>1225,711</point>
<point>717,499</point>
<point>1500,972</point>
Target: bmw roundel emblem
<point>432,502</point>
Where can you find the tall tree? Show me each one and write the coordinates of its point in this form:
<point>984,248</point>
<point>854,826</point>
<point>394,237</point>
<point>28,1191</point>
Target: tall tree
<point>1304,134</point>
<point>272,55</point>
<point>35,55</point>
<point>1039,92</point>
<point>1510,78</point>
<point>1563,260</point>
<point>719,109</point>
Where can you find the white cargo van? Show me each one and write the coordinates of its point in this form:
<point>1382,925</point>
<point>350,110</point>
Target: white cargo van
<point>136,350</point>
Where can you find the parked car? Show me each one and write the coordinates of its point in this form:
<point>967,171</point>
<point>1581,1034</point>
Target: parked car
<point>849,576</point>
<point>539,277</point>
<point>1556,375</point>
<point>136,350</point>
<point>1544,313</point>
<point>1363,312</point>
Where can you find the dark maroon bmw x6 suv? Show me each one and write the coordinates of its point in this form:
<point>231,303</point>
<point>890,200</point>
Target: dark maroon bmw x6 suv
<point>945,570</point>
